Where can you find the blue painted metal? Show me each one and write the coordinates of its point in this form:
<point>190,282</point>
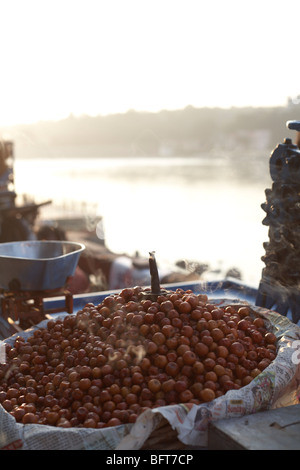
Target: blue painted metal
<point>37,265</point>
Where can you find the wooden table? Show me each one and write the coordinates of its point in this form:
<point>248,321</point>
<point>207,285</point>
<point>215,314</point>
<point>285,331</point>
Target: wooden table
<point>267,430</point>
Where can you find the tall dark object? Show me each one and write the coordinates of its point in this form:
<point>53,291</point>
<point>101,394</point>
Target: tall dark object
<point>279,287</point>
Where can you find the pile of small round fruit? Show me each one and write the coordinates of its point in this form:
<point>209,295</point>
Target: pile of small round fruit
<point>106,364</point>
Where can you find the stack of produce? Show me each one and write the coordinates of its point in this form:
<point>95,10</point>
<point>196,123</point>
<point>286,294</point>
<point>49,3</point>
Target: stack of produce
<point>108,363</point>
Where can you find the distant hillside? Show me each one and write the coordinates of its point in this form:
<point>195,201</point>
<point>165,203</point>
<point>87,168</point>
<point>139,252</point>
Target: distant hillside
<point>189,131</point>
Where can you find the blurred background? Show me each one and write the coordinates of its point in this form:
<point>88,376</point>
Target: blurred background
<point>159,116</point>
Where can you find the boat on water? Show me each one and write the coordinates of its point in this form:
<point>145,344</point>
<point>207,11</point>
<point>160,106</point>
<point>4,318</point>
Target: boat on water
<point>99,268</point>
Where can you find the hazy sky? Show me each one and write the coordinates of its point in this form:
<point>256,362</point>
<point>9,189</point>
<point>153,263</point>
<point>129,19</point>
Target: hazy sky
<point>105,56</point>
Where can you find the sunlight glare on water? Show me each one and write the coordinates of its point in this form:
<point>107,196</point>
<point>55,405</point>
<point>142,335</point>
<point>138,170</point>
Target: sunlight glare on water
<point>180,208</point>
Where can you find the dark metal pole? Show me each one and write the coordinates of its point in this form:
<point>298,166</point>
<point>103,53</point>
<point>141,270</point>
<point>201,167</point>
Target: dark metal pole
<point>155,285</point>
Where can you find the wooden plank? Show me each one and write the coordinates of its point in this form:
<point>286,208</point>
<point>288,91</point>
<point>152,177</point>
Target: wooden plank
<point>267,430</point>
<point>164,437</point>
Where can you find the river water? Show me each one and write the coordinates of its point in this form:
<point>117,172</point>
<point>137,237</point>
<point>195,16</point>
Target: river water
<point>201,209</point>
